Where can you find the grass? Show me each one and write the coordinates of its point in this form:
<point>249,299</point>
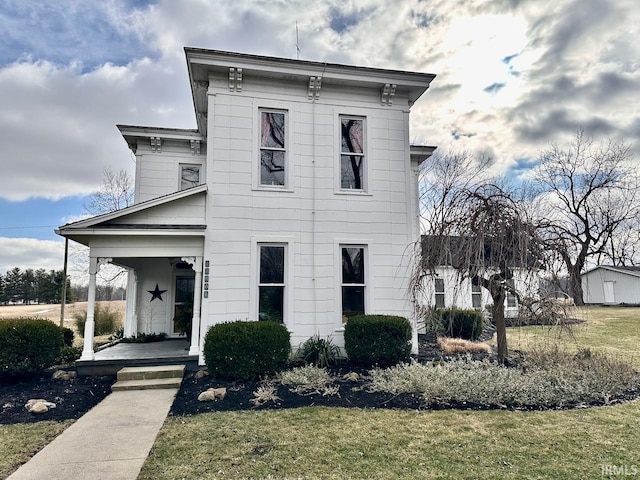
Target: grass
<point>359,444</point>
<point>20,442</point>
<point>614,331</point>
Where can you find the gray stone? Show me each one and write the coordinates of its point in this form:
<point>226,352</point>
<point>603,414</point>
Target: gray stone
<point>63,375</point>
<point>200,374</point>
<point>38,405</point>
<point>212,394</point>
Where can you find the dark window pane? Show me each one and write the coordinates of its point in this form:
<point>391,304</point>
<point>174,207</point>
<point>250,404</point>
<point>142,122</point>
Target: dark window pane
<point>439,285</point>
<point>189,176</point>
<point>476,300</point>
<point>271,304</point>
<point>271,264</point>
<point>352,301</point>
<point>439,300</point>
<point>272,130</point>
<point>351,171</point>
<point>512,301</point>
<point>352,135</point>
<point>352,265</point>
<point>272,167</point>
<point>184,289</point>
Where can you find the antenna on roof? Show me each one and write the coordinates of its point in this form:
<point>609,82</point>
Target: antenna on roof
<point>297,43</point>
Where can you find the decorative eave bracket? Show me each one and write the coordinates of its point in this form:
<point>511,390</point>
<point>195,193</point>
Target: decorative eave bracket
<point>195,147</point>
<point>156,144</point>
<point>386,94</point>
<point>235,79</point>
<point>315,83</point>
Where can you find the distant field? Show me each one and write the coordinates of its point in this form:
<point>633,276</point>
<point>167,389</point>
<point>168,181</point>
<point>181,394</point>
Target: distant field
<point>52,311</point>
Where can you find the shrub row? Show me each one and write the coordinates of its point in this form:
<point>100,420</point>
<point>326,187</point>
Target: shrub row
<point>246,350</point>
<point>105,320</point>
<point>29,345</point>
<point>455,322</point>
<point>381,340</point>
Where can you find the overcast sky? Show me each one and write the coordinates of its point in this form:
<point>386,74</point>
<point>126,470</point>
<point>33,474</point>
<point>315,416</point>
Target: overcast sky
<point>513,77</point>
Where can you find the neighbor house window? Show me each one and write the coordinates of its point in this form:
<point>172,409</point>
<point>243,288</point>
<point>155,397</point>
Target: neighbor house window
<point>512,300</point>
<point>352,157</point>
<point>476,296</point>
<point>189,176</point>
<point>353,281</point>
<point>439,292</point>
<point>273,153</point>
<point>271,284</point>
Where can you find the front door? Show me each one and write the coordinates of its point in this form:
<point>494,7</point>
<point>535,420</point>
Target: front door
<point>183,305</point>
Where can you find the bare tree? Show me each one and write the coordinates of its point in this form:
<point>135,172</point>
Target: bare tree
<point>116,192</point>
<point>591,192</point>
<point>477,227</point>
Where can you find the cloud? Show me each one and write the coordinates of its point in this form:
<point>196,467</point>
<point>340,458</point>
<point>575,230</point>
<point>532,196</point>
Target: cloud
<point>30,253</point>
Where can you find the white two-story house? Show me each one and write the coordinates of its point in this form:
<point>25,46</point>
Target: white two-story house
<point>294,199</point>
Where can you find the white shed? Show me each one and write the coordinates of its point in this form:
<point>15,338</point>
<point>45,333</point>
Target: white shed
<point>612,285</point>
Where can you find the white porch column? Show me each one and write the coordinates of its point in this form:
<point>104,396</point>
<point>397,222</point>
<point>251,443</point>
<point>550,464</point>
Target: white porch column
<point>196,264</point>
<point>131,324</point>
<point>89,326</point>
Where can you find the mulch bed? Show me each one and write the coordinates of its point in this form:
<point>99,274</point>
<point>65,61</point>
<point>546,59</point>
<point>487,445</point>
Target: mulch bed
<point>73,398</point>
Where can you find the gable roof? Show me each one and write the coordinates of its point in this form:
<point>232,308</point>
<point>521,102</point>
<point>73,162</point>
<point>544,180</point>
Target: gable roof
<point>152,215</point>
<point>631,270</point>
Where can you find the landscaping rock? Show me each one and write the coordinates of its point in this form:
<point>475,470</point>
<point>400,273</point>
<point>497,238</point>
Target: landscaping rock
<point>351,376</point>
<point>212,394</point>
<point>63,375</point>
<point>200,374</point>
<point>38,405</point>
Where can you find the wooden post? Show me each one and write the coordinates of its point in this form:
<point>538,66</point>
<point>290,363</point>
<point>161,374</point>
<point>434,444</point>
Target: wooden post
<point>63,300</point>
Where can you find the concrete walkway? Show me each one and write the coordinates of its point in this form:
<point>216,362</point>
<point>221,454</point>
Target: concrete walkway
<point>110,442</point>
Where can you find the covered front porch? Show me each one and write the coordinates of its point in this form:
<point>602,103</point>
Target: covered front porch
<point>160,243</point>
<point>109,360</point>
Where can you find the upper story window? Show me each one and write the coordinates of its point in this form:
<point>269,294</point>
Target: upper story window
<point>352,157</point>
<point>189,175</point>
<point>273,150</point>
<point>476,296</point>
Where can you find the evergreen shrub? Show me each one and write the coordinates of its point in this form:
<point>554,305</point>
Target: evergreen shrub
<point>29,345</point>
<point>381,340</point>
<point>244,350</point>
<point>459,323</point>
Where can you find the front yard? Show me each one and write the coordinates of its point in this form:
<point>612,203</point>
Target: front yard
<point>341,443</point>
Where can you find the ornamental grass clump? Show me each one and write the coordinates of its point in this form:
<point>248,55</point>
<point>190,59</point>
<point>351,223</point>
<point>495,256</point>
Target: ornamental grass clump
<point>544,380</point>
<point>318,351</point>
<point>308,379</point>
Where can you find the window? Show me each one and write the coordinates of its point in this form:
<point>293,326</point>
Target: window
<point>352,161</point>
<point>353,281</point>
<point>272,148</point>
<point>476,296</point>
<point>439,292</point>
<point>189,176</point>
<point>271,284</point>
<point>512,300</point>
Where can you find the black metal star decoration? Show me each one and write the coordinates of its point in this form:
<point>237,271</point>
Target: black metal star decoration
<point>157,293</point>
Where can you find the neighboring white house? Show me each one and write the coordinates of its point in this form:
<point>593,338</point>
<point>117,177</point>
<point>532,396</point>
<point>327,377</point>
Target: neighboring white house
<point>612,285</point>
<point>447,287</point>
<point>295,199</point>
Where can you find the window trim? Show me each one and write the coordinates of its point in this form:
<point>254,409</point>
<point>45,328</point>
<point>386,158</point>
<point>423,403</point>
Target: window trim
<point>476,294</point>
<point>254,291</point>
<point>356,114</point>
<point>181,165</point>
<point>287,110</point>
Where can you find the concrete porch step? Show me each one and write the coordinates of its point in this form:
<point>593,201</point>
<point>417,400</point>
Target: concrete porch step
<point>149,377</point>
<point>154,384</point>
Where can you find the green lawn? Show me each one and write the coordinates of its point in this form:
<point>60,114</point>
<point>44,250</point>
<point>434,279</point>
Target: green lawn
<point>613,330</point>
<point>20,442</point>
<point>353,443</point>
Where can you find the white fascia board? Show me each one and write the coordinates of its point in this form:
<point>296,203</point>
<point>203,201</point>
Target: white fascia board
<point>165,133</point>
<point>138,207</point>
<point>137,232</point>
<point>612,269</point>
<point>420,153</point>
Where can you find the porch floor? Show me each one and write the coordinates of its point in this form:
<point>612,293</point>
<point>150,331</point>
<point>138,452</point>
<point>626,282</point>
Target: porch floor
<point>111,359</point>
